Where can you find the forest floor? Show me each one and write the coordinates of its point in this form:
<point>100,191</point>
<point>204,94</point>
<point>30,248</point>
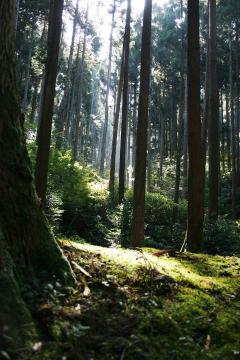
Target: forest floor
<point>141,304</point>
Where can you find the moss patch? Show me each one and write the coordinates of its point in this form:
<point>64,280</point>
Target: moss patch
<point>141,305</point>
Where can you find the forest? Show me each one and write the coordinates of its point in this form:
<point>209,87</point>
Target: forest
<point>119,179</point>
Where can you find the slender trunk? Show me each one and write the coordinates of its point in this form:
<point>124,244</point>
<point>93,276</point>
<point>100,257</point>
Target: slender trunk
<point>28,69</point>
<point>115,125</point>
<point>185,144</point>
<point>76,135</point>
<point>124,108</point>
<point>228,130</point>
<point>205,123</point>
<point>17,12</point>
<point>45,126</point>
<point>180,128</point>
<point>142,129</point>
<point>233,138</point>
<point>214,158</point>
<point>64,106</point>
<point>105,128</point>
<point>194,235</point>
<point>34,100</point>
<point>222,134</point>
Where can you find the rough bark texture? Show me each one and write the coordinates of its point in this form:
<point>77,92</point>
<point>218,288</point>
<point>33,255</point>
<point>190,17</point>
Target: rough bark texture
<point>194,236</point>
<point>27,248</point>
<point>45,125</point>
<point>142,131</point>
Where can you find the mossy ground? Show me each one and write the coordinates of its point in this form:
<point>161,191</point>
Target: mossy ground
<point>141,305</point>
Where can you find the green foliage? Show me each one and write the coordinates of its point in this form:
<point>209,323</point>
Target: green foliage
<point>82,206</point>
<point>222,237</point>
<point>159,228</point>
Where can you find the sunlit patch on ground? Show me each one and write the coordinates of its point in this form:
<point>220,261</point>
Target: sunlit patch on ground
<point>142,304</point>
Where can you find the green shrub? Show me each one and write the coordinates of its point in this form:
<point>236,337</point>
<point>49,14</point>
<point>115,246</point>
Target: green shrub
<point>159,229</point>
<point>222,237</point>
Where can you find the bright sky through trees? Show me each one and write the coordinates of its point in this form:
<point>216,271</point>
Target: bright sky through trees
<point>99,14</point>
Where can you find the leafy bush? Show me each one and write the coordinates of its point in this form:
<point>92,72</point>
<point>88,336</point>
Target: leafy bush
<point>222,237</point>
<point>159,229</point>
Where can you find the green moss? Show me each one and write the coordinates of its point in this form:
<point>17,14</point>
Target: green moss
<point>151,307</point>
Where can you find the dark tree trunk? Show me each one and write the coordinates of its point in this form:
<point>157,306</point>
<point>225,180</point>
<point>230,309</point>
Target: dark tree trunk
<point>28,69</point>
<point>142,130</point>
<point>194,235</point>
<point>228,130</point>
<point>214,158</point>
<point>180,126</point>
<point>67,89</point>
<point>105,128</point>
<point>115,127</point>
<point>34,100</point>
<point>76,128</point>
<point>233,139</point>
<point>124,108</point>
<point>45,125</point>
<point>27,247</point>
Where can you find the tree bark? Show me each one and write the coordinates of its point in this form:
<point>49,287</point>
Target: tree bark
<point>64,107</point>
<point>180,126</point>
<point>142,131</point>
<point>124,108</point>
<point>233,137</point>
<point>115,126</point>
<point>194,235</point>
<point>45,125</point>
<point>105,128</point>
<point>27,248</point>
<point>214,158</point>
<point>76,134</point>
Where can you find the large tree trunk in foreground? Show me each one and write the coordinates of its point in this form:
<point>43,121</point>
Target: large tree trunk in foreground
<point>194,235</point>
<point>27,248</point>
<point>45,125</point>
<point>142,131</point>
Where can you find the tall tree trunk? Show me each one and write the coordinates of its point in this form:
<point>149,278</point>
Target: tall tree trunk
<point>28,69</point>
<point>142,129</point>
<point>76,134</point>
<point>222,134</point>
<point>45,125</point>
<point>185,144</point>
<point>194,235</point>
<point>124,107</point>
<point>233,138</point>
<point>228,134</point>
<point>205,123</point>
<point>27,247</point>
<point>34,99</point>
<point>17,12</point>
<point>64,107</point>
<point>180,126</point>
<point>115,126</point>
<point>214,158</point>
<point>105,128</point>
